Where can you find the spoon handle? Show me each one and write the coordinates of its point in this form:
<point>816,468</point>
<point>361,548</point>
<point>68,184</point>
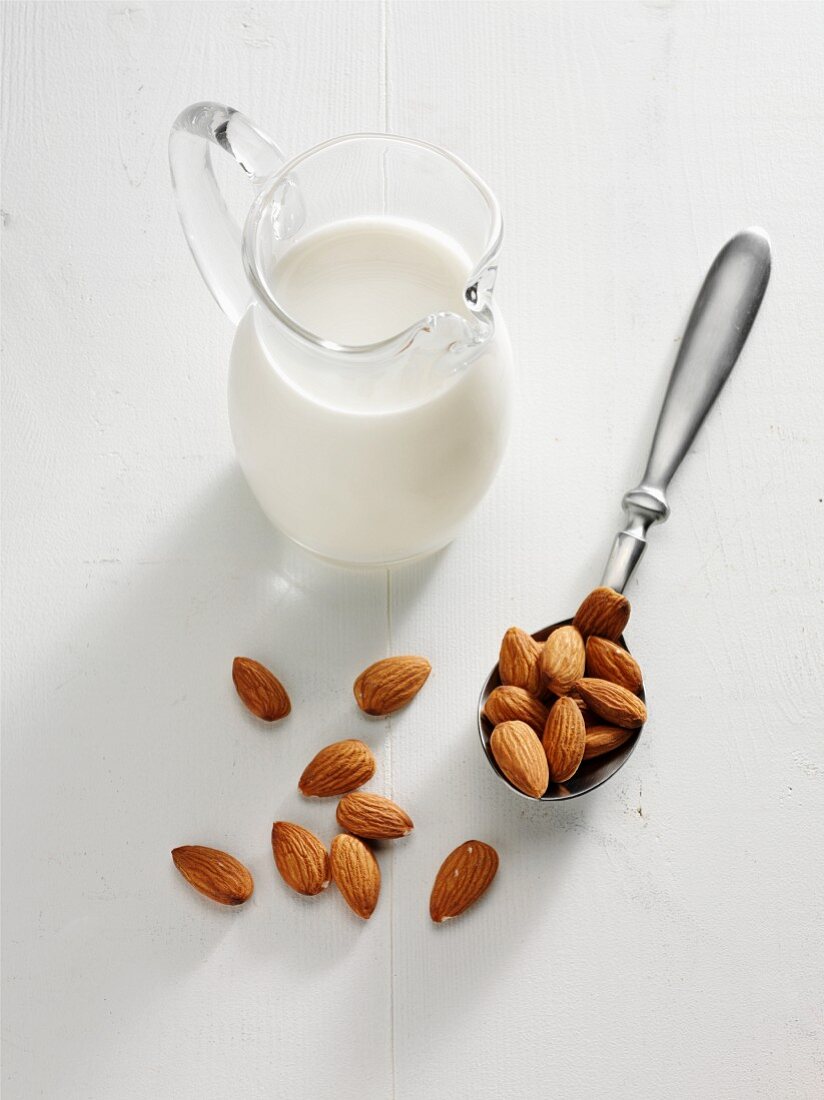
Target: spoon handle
<point>716,332</point>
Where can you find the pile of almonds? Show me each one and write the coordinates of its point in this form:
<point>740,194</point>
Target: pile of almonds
<point>565,701</point>
<point>337,771</point>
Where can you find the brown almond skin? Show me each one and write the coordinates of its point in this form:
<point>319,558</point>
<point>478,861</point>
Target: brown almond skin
<point>356,874</point>
<point>518,753</point>
<point>464,876</point>
<point>519,661</point>
<point>562,659</point>
<point>213,873</point>
<point>604,612</point>
<point>260,690</point>
<point>603,739</point>
<point>608,661</point>
<point>300,857</point>
<point>337,769</point>
<point>390,684</point>
<point>564,739</point>
<point>513,704</point>
<point>613,703</point>
<point>373,817</point>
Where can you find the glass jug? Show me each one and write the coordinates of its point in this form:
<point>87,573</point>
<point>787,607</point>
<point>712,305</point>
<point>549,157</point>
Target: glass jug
<point>370,375</point>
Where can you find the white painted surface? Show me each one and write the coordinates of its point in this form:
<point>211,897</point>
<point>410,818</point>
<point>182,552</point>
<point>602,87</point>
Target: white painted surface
<point>662,937</point>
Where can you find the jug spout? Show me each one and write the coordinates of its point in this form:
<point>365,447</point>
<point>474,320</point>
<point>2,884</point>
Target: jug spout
<point>440,347</point>
<point>479,288</point>
<point>451,340</point>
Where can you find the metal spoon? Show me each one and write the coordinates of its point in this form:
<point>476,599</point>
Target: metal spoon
<point>716,332</point>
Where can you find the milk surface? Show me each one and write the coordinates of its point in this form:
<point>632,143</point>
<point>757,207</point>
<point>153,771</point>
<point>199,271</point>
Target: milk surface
<point>364,280</point>
<point>367,461</point>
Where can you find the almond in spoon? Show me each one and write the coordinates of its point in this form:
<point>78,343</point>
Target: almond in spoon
<point>608,661</point>
<point>604,739</point>
<point>613,703</point>
<point>604,612</point>
<point>562,659</point>
<point>519,661</point>
<point>518,753</point>
<point>564,739</point>
<point>513,704</point>
<point>464,876</point>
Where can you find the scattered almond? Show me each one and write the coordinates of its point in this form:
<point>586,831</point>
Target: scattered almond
<point>604,612</point>
<point>340,767</point>
<point>603,739</point>
<point>300,857</point>
<point>519,661</point>
<point>373,816</point>
<point>518,753</point>
<point>356,874</point>
<point>608,661</point>
<point>613,703</point>
<point>564,739</point>
<point>513,704</point>
<point>262,693</point>
<point>562,659</point>
<point>463,877</point>
<point>390,684</point>
<point>216,874</point>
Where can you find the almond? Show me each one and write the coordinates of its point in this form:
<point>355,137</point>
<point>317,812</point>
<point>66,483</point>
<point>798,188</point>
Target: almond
<point>261,691</point>
<point>562,659</point>
<point>464,876</point>
<point>340,767</point>
<point>390,684</point>
<point>356,874</point>
<point>604,612</point>
<point>373,816</point>
<point>603,739</point>
<point>564,739</point>
<point>300,858</point>
<point>519,755</point>
<point>216,874</point>
<point>518,663</point>
<point>613,703</point>
<point>608,661</point>
<point>513,704</point>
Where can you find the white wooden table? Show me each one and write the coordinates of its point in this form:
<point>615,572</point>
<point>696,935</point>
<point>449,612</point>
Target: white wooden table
<point>660,938</point>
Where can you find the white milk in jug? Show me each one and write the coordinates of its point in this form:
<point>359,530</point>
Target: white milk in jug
<point>361,461</point>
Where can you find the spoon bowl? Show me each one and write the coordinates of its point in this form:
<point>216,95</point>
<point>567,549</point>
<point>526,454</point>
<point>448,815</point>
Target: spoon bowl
<point>716,332</point>
<point>591,774</point>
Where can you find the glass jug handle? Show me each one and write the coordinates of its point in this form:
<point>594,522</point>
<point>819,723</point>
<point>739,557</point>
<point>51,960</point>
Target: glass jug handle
<point>213,234</point>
